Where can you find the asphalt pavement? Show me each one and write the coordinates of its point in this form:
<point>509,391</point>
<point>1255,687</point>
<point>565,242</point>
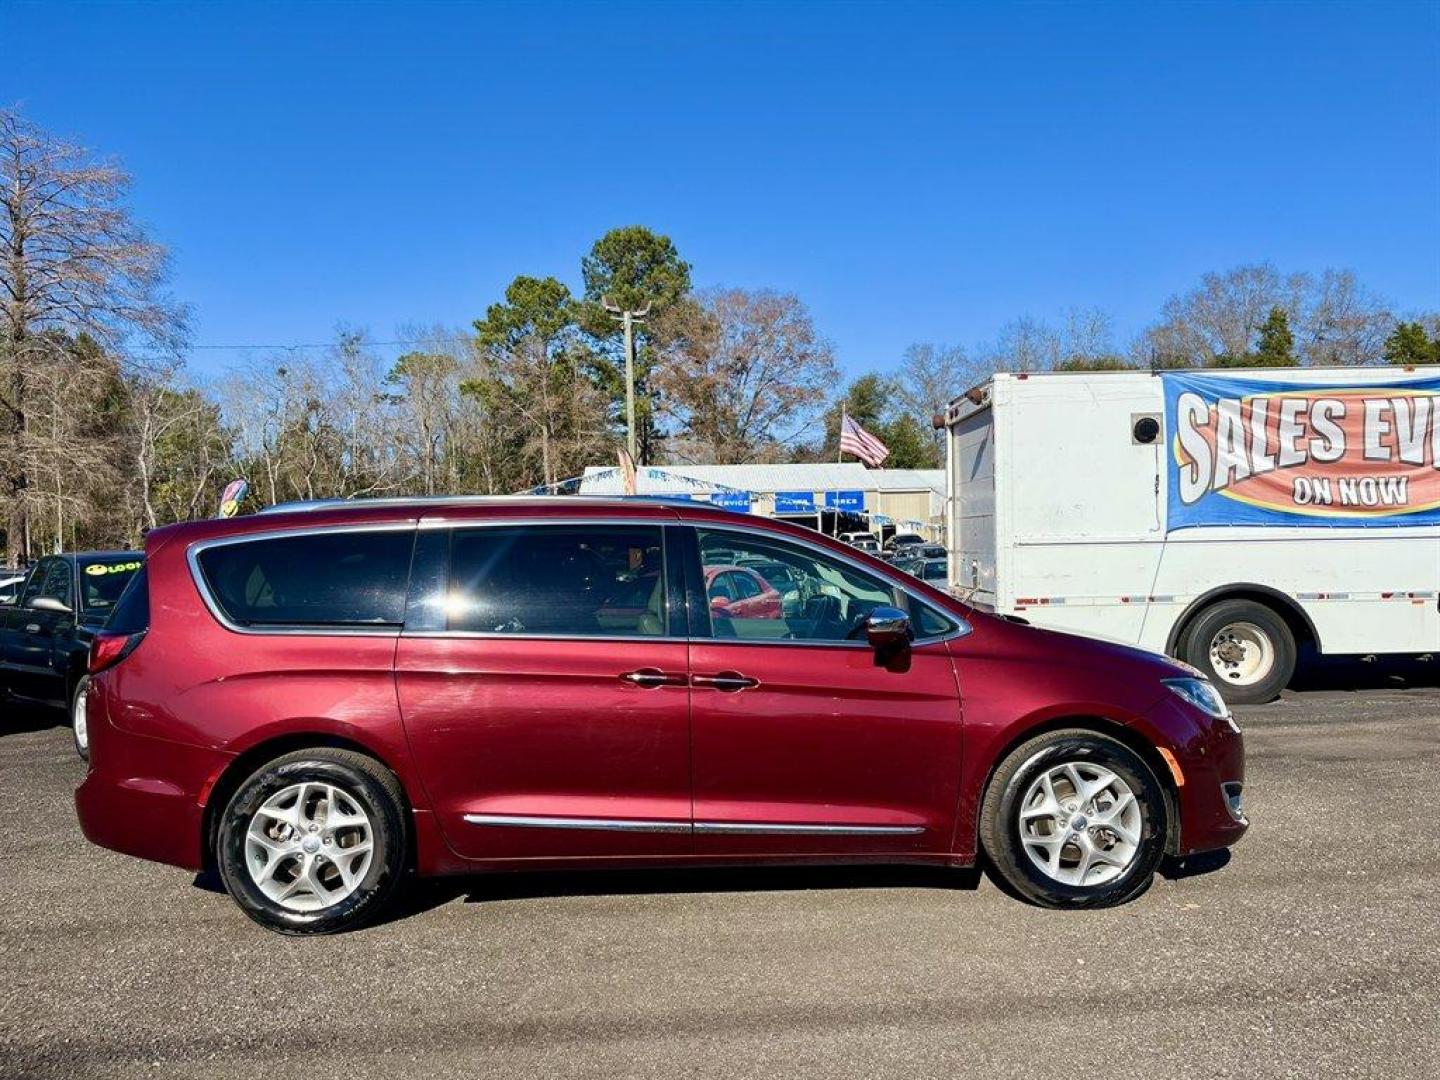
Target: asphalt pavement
<point>1313,953</point>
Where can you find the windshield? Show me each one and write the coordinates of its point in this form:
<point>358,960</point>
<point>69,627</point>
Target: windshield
<point>102,582</point>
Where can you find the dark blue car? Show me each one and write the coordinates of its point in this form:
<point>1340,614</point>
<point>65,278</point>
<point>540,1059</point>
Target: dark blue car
<point>45,630</point>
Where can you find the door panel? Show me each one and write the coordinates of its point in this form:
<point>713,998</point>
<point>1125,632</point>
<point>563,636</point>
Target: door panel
<point>36,641</point>
<point>825,739</point>
<point>549,729</point>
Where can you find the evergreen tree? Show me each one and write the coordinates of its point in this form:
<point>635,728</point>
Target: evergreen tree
<point>1408,343</point>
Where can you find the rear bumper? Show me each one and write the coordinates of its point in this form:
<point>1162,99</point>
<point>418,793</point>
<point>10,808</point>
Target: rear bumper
<point>142,796</point>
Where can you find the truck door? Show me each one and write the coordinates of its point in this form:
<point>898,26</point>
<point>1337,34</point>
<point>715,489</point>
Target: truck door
<point>37,631</point>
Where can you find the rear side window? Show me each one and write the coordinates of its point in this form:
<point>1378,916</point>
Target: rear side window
<point>131,614</point>
<point>346,578</point>
<point>566,581</point>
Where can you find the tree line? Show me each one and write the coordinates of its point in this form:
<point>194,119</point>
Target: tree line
<point>105,434</point>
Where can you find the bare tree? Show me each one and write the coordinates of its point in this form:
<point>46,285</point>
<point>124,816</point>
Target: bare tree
<point>745,372</point>
<point>181,450</point>
<point>1343,323</point>
<point>427,405</point>
<point>1222,317</point>
<point>1026,344</point>
<point>72,262</point>
<point>930,377</point>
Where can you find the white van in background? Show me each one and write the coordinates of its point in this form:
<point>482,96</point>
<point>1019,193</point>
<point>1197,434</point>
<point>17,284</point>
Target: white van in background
<point>1223,517</point>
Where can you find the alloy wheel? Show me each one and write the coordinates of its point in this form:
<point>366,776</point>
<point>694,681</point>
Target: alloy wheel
<point>309,846</point>
<point>1080,824</point>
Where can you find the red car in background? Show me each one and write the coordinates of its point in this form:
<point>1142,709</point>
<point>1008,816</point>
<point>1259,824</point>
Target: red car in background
<point>738,592</point>
<point>315,701</point>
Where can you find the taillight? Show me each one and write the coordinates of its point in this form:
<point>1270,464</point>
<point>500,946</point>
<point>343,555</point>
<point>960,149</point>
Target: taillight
<point>107,650</point>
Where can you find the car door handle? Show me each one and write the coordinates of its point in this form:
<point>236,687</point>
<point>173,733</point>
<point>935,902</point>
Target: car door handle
<point>652,677</point>
<point>32,628</point>
<point>729,681</point>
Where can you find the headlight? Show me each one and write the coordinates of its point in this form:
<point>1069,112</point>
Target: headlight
<point>1201,694</point>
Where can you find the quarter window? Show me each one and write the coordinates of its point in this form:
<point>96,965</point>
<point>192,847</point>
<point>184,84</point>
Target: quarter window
<point>562,581</point>
<point>819,598</point>
<point>345,578</point>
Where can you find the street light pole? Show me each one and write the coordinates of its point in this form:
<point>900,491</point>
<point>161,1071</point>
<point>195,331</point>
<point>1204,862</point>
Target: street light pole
<point>627,319</point>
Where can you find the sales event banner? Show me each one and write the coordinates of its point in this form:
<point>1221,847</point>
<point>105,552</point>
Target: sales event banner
<point>1252,452</point>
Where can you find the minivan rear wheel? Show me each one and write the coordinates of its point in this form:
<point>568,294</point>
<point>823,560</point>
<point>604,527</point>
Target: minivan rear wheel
<point>314,842</point>
<point>1074,819</point>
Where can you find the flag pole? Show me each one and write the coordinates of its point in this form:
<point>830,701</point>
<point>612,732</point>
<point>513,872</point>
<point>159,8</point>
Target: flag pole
<point>839,434</point>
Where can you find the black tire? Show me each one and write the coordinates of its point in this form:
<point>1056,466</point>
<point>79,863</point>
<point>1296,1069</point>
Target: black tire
<point>1000,841</point>
<point>363,781</point>
<point>79,723</point>
<point>1201,634</point>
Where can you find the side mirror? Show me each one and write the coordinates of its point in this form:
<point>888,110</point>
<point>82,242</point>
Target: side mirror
<point>887,628</point>
<point>49,603</point>
<point>719,603</point>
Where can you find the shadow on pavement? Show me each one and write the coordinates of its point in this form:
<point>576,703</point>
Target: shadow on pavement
<point>425,894</point>
<point>1173,869</point>
<point>1353,673</point>
<point>21,718</point>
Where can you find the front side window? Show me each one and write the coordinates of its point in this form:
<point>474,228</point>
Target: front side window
<point>561,581</point>
<point>346,578</point>
<point>34,583</point>
<point>797,593</point>
<point>51,580</point>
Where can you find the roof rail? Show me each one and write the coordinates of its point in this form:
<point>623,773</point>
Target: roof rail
<point>310,505</point>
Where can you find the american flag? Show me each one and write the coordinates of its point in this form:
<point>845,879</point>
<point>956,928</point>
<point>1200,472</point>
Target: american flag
<point>854,439</point>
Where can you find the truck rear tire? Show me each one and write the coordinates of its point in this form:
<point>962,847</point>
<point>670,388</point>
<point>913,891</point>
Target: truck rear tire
<point>1245,648</point>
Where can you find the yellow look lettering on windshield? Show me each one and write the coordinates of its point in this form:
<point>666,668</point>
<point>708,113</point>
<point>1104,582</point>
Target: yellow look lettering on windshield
<point>100,569</point>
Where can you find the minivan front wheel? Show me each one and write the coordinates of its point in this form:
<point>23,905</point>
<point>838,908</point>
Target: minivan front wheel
<point>1074,819</point>
<point>314,842</point>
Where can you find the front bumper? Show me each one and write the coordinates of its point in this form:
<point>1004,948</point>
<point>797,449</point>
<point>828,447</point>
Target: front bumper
<point>1210,756</point>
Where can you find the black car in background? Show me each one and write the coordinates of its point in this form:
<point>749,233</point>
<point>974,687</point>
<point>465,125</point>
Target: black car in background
<point>45,630</point>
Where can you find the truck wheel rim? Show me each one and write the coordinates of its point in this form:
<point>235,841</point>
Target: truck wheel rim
<point>79,720</point>
<point>1080,824</point>
<point>309,846</point>
<point>1242,654</point>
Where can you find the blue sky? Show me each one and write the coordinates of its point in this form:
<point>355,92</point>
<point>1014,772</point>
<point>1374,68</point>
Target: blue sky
<point>915,172</point>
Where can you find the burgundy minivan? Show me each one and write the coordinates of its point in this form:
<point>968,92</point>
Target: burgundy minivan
<point>315,700</point>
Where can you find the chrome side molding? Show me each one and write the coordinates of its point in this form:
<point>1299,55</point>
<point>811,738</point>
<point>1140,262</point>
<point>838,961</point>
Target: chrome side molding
<point>709,828</point>
<point>728,828</point>
<point>648,825</point>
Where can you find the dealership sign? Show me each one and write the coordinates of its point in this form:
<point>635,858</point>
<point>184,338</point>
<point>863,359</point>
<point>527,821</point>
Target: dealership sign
<point>794,502</point>
<point>732,500</point>
<point>1252,452</point>
<point>851,501</point>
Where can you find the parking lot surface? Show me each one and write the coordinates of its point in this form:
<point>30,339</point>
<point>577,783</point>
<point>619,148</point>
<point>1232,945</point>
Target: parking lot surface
<point>1315,952</point>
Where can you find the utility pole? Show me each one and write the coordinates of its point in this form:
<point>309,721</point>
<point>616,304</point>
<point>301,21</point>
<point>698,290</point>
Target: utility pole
<point>628,318</point>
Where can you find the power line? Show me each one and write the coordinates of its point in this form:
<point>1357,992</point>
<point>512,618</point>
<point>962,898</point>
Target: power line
<point>438,339</point>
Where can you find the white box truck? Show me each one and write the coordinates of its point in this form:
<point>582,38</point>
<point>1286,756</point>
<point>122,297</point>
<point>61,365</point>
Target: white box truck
<point>1224,517</point>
